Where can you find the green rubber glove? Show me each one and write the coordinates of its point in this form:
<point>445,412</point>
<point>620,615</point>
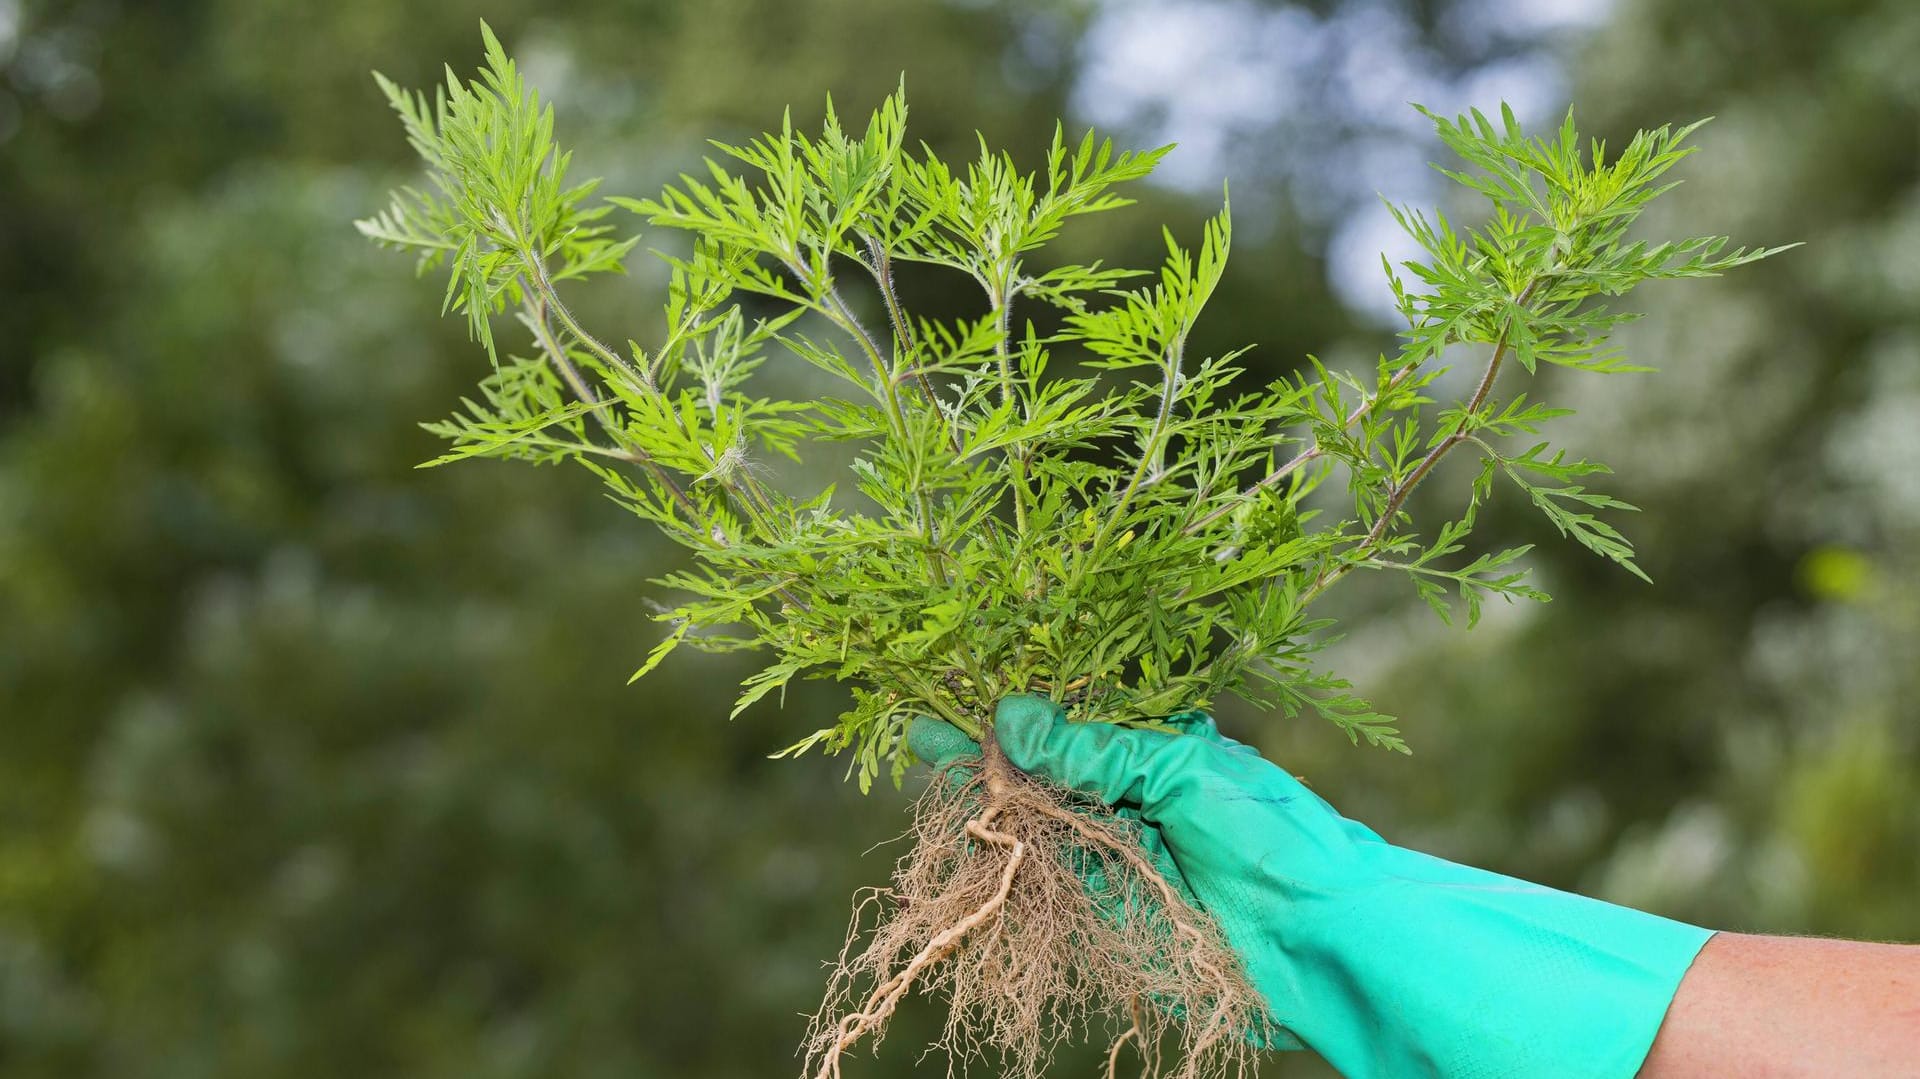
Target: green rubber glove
<point>1388,962</point>
<point>942,744</point>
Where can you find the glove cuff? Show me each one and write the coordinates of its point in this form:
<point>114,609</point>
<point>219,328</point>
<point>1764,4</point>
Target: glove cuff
<point>1468,973</point>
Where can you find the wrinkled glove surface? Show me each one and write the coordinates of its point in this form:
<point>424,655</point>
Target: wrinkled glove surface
<point>1388,962</point>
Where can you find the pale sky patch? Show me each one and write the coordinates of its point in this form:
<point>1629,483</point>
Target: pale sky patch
<point>1233,80</point>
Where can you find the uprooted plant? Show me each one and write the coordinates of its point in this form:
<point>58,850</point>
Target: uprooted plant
<point>1050,496</point>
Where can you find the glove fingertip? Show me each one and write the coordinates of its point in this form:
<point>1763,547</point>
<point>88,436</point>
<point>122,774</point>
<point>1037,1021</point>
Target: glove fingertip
<point>938,742</point>
<point>1026,712</point>
<point>1025,725</point>
<point>1203,725</point>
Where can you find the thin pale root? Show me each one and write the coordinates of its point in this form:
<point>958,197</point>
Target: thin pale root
<point>1132,1033</point>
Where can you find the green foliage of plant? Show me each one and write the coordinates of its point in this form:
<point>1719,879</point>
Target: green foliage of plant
<point>1053,495</point>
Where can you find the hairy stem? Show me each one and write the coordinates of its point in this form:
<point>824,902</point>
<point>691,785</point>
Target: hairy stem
<point>549,299</point>
<point>1397,495</point>
<point>536,317</point>
<point>882,270</point>
<point>1002,306</point>
<point>841,314</point>
<point>534,308</point>
<point>537,267</point>
<point>1306,456</point>
<point>1151,448</point>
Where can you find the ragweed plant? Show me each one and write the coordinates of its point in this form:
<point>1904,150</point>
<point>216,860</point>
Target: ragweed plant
<point>1091,511</point>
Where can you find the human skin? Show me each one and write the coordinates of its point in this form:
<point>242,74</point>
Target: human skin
<point>1791,1007</point>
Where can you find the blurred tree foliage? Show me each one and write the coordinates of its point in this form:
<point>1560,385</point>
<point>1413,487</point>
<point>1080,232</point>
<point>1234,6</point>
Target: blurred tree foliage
<point>303,772</point>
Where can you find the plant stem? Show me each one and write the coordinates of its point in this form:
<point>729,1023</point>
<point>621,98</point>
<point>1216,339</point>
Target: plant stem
<point>1150,448</point>
<point>557,355</point>
<point>536,264</point>
<point>1397,496</point>
<point>842,315</point>
<point>1306,456</point>
<point>945,705</point>
<point>882,270</point>
<point>549,298</point>
<point>1002,304</point>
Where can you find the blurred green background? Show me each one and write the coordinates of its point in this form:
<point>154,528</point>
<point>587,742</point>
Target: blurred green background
<point>315,765</point>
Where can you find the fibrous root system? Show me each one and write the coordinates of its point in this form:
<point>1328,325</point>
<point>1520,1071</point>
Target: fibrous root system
<point>1040,920</point>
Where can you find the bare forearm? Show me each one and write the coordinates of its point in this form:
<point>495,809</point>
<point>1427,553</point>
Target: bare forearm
<point>1791,1007</point>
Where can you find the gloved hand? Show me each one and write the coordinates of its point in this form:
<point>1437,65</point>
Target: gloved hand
<point>1388,962</point>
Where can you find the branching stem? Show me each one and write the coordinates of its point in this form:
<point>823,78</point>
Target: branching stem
<point>556,353</point>
<point>536,312</point>
<point>1397,495</point>
<point>882,270</point>
<point>1306,456</point>
<point>1151,449</point>
<point>1002,304</point>
<point>550,296</point>
<point>841,314</point>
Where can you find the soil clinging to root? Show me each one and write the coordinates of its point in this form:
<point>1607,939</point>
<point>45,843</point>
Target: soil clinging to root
<point>1041,920</point>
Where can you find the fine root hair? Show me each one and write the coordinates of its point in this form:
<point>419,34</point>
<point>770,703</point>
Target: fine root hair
<point>1040,920</point>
